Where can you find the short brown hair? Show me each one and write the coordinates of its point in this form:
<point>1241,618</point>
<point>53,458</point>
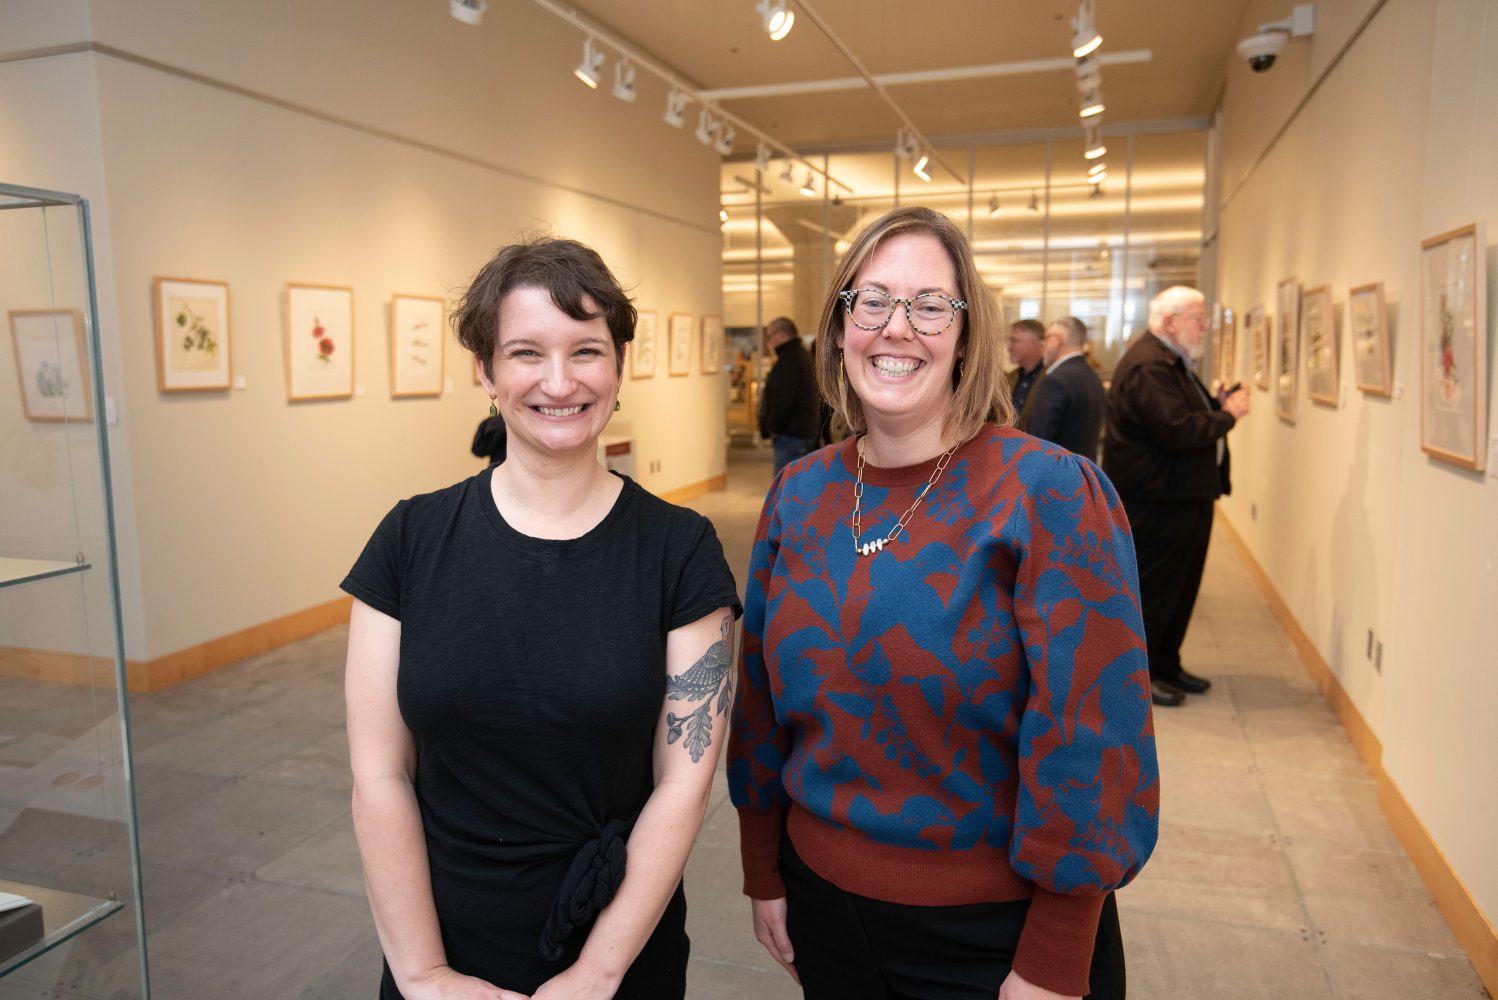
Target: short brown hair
<point>1033,327</point>
<point>570,271</point>
<point>980,390</point>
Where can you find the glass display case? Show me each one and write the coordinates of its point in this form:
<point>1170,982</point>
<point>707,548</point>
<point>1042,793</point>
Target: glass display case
<point>68,833</point>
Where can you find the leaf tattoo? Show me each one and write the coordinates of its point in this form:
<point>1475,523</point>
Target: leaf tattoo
<point>709,676</point>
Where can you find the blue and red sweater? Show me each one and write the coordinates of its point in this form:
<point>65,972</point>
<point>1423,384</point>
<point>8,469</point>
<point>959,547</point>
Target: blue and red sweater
<point>962,717</point>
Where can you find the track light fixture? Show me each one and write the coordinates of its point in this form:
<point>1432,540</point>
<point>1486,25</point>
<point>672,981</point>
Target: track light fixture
<point>1034,205</point>
<point>785,173</point>
<point>468,11</point>
<point>1094,147</point>
<point>726,135</point>
<point>1097,185</point>
<point>920,167</point>
<point>905,145</point>
<point>809,189</point>
<point>993,207</point>
<point>1086,38</point>
<point>590,70</point>
<point>722,215</point>
<point>707,128</point>
<point>762,158</point>
<point>676,108</point>
<point>1097,168</point>
<point>1092,104</point>
<point>1089,74</point>
<point>778,20</point>
<point>624,80</point>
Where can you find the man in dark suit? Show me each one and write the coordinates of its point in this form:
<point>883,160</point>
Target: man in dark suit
<point>1066,407</point>
<point>1027,354</point>
<point>789,410</point>
<point>1165,448</point>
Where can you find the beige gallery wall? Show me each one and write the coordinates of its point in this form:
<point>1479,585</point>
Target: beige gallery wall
<point>1358,529</point>
<point>388,149</point>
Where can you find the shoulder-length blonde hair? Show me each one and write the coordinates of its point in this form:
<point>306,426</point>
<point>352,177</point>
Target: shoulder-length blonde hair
<point>980,390</point>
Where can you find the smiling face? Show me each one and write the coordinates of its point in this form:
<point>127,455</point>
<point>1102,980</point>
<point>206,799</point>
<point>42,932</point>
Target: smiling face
<point>902,378</point>
<point>555,378</point>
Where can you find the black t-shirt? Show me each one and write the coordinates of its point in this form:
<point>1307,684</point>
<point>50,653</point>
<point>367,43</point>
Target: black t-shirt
<point>532,674</point>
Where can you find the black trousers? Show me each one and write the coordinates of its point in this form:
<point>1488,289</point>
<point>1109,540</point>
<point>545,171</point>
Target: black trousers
<point>1170,542</point>
<point>849,947</point>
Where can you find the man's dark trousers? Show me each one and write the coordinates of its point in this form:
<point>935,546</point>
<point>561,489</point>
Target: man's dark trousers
<point>1170,543</point>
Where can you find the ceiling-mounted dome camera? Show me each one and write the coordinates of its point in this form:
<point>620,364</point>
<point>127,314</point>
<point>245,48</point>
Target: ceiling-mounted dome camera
<point>1261,49</point>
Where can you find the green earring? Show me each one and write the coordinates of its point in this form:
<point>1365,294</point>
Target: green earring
<point>616,406</point>
<point>493,410</point>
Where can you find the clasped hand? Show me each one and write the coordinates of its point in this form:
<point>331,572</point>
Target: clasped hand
<point>447,984</point>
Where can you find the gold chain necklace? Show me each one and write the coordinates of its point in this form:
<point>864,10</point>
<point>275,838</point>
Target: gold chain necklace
<point>869,548</point>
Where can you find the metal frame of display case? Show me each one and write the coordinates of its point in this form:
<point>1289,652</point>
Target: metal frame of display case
<point>67,915</point>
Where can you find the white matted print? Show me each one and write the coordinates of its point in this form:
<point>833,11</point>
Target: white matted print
<point>192,335</point>
<point>712,345</point>
<point>1453,346</point>
<point>1319,321</point>
<point>1287,351</point>
<point>1366,314</point>
<point>642,348</point>
<point>52,364</point>
<point>681,344</point>
<point>1258,346</point>
<point>319,342</point>
<point>416,345</point>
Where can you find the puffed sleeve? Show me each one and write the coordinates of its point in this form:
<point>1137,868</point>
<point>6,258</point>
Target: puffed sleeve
<point>375,577</point>
<point>1088,805</point>
<point>758,745</point>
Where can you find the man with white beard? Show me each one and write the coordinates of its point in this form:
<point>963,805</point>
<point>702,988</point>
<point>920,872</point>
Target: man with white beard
<point>1165,448</point>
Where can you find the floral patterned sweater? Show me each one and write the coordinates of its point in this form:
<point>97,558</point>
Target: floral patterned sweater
<point>963,716</point>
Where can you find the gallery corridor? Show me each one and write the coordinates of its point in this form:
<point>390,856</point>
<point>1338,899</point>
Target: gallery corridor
<point>1275,876</point>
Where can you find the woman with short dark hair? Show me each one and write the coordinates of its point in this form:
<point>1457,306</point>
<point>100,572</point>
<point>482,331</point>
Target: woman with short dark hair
<point>942,751</point>
<point>538,671</point>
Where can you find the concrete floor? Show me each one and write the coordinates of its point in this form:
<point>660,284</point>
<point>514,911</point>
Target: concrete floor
<point>1276,876</point>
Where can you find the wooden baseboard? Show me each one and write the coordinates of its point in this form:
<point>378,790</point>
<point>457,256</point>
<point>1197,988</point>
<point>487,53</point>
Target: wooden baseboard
<point>685,493</point>
<point>184,664</point>
<point>1471,927</point>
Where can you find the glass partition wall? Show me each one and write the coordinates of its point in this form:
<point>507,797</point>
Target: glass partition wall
<point>1048,240</point>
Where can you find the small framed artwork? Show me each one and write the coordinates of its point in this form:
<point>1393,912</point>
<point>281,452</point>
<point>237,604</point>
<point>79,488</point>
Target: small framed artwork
<point>681,344</point>
<point>712,345</point>
<point>1453,346</point>
<point>416,345</point>
<point>1286,364</point>
<point>1227,361</point>
<point>192,335</point>
<point>1258,345</point>
<point>1319,322</point>
<point>1370,339</point>
<point>52,364</point>
<point>319,342</point>
<point>642,348</point>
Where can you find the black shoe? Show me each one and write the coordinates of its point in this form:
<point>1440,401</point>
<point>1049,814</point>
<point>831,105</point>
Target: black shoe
<point>1163,694</point>
<point>1190,683</point>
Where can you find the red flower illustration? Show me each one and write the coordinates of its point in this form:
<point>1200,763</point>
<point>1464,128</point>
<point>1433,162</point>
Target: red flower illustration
<point>326,346</point>
<point>317,329</point>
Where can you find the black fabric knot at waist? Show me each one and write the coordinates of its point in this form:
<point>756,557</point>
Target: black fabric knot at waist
<point>591,881</point>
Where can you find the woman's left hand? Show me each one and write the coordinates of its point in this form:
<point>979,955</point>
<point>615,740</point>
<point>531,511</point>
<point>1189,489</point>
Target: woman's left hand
<point>1016,987</point>
<point>577,983</point>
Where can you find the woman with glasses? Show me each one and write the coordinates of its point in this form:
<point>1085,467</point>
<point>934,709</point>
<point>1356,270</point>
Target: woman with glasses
<point>942,751</point>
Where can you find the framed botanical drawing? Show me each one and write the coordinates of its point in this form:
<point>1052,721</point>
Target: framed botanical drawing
<point>52,364</point>
<point>1320,325</point>
<point>192,335</point>
<point>1227,361</point>
<point>1258,345</point>
<point>1286,364</point>
<point>712,345</point>
<point>416,345</point>
<point>319,342</point>
<point>1453,346</point>
<point>642,348</point>
<point>1370,339</point>
<point>681,344</point>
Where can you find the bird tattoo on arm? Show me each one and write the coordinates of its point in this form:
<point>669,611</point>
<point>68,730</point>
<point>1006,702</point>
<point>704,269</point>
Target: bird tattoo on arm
<point>709,676</point>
